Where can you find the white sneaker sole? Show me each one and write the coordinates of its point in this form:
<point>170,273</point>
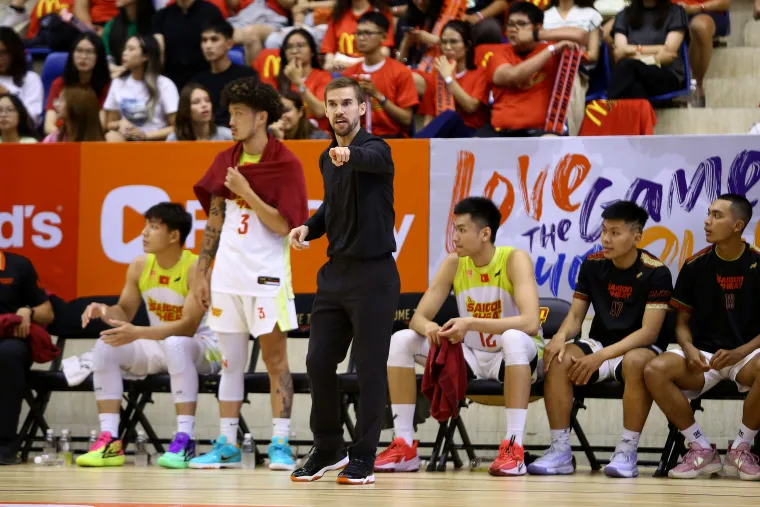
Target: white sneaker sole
<point>337,466</point>
<point>282,466</point>
<point>213,466</point>
<point>413,465</point>
<point>692,474</point>
<point>620,474</point>
<point>370,479</point>
<point>734,472</point>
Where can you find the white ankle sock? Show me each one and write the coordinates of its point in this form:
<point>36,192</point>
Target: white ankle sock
<point>516,424</point>
<point>629,441</point>
<point>403,421</point>
<point>745,435</point>
<point>694,434</point>
<point>560,438</point>
<point>280,428</point>
<point>228,426</point>
<point>186,424</point>
<point>110,423</point>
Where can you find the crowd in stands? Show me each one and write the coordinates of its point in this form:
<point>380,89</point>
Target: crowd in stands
<point>430,68</point>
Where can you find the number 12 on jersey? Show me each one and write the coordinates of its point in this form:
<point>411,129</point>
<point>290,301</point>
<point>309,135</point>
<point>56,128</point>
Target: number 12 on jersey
<point>487,340</point>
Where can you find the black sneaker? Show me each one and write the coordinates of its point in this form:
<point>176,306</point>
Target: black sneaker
<point>318,463</point>
<point>9,455</point>
<point>358,471</point>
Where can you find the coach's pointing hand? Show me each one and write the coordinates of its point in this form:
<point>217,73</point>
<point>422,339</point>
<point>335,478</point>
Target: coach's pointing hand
<point>297,237</point>
<point>339,155</point>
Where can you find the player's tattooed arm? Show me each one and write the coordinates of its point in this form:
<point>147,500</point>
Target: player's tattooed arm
<point>211,234</point>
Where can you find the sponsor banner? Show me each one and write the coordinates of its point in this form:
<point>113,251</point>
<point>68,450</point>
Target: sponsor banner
<point>120,182</point>
<point>551,193</point>
<point>39,201</point>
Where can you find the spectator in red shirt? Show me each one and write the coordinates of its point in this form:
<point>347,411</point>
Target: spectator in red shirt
<point>388,83</point>
<point>457,76</point>
<point>523,73</point>
<point>96,13</point>
<point>339,43</point>
<point>302,73</point>
<point>87,66</point>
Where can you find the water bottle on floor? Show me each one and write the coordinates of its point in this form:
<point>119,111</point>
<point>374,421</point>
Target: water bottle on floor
<point>693,94</point>
<point>93,439</point>
<point>248,456</point>
<point>141,450</point>
<point>64,446</point>
<point>49,450</point>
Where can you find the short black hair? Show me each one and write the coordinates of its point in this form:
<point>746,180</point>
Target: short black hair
<point>483,211</point>
<point>222,27</point>
<point>629,212</point>
<point>173,216</point>
<point>534,13</point>
<point>345,82</point>
<point>740,207</point>
<point>375,17</point>
<point>253,93</point>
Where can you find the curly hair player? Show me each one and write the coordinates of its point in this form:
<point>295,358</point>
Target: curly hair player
<point>254,193</point>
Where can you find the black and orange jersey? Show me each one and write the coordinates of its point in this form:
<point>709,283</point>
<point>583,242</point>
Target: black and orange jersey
<point>620,296</point>
<point>722,296</point>
<point>19,286</point>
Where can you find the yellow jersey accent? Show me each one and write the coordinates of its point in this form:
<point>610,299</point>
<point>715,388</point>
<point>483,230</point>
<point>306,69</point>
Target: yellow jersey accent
<point>164,290</point>
<point>249,159</point>
<point>487,293</point>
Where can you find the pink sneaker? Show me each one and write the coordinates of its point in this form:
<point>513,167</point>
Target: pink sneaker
<point>697,462</point>
<point>743,463</point>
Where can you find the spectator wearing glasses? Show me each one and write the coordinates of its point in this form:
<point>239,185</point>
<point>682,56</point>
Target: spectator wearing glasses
<point>339,43</point>
<point>80,117</point>
<point>86,66</point>
<point>388,83</point>
<point>141,104</point>
<point>302,73</point>
<point>15,77</point>
<point>648,35</point>
<point>464,80</point>
<point>195,117</point>
<point>135,18</point>
<point>294,123</point>
<point>523,73</point>
<point>216,41</point>
<point>16,126</point>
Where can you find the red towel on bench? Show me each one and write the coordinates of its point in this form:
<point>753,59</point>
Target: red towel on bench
<point>445,380</point>
<point>43,348</point>
<point>277,179</point>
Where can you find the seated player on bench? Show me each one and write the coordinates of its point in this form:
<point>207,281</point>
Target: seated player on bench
<point>499,323</point>
<point>630,290</point>
<point>163,278</point>
<point>717,296</point>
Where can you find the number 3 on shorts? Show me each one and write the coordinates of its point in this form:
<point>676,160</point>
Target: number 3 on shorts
<point>262,315</point>
<point>243,224</point>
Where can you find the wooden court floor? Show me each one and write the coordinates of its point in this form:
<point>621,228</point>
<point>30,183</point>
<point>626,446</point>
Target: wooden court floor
<point>154,487</point>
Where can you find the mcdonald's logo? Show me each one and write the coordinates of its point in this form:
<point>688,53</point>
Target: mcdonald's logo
<point>346,43</point>
<point>486,57</point>
<point>598,107</point>
<point>45,7</point>
<point>272,66</point>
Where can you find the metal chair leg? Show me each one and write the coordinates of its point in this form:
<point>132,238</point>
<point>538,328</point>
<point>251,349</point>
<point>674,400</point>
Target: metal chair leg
<point>575,425</point>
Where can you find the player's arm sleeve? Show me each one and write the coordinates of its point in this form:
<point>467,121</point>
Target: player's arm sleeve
<point>661,289</point>
<point>373,156</point>
<point>683,294</point>
<point>582,285</point>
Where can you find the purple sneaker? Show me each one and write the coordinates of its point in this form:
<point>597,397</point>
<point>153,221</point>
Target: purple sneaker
<point>622,464</point>
<point>181,451</point>
<point>697,461</point>
<point>740,461</point>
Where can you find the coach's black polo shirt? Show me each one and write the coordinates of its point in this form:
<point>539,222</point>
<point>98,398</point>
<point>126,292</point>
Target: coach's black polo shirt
<point>18,284</point>
<point>183,57</point>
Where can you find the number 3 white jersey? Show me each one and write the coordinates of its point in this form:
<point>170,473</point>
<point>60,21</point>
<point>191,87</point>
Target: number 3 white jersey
<point>251,259</point>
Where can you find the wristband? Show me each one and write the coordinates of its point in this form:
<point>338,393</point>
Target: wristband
<point>448,80</point>
<point>639,49</point>
<point>551,48</point>
<point>302,89</point>
<point>383,100</point>
<point>31,312</point>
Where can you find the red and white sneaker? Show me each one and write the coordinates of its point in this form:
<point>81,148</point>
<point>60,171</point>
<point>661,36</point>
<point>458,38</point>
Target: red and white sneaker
<point>398,457</point>
<point>510,461</point>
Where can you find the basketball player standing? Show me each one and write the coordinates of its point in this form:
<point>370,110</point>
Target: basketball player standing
<point>357,290</point>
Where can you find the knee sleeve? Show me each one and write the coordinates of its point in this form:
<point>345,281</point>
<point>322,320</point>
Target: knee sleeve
<point>406,346</point>
<point>106,370</point>
<point>518,347</point>
<point>234,347</point>
<point>179,361</point>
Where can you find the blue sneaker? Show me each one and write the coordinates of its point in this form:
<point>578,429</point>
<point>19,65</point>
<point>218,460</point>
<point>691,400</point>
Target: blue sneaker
<point>280,456</point>
<point>555,461</point>
<point>622,464</point>
<point>223,455</point>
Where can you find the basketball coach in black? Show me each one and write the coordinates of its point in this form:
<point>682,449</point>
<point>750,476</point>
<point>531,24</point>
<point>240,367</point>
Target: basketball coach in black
<point>357,289</point>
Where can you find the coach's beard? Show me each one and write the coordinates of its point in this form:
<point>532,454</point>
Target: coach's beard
<point>343,127</point>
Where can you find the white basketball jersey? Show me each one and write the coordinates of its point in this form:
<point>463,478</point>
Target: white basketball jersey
<point>251,259</point>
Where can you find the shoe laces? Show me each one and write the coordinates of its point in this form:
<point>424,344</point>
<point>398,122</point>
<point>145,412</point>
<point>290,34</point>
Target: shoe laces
<point>103,439</point>
<point>391,448</point>
<point>746,456</point>
<point>692,454</point>
<point>357,466</point>
<point>178,444</point>
<point>624,455</point>
<point>552,452</point>
<point>506,453</point>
